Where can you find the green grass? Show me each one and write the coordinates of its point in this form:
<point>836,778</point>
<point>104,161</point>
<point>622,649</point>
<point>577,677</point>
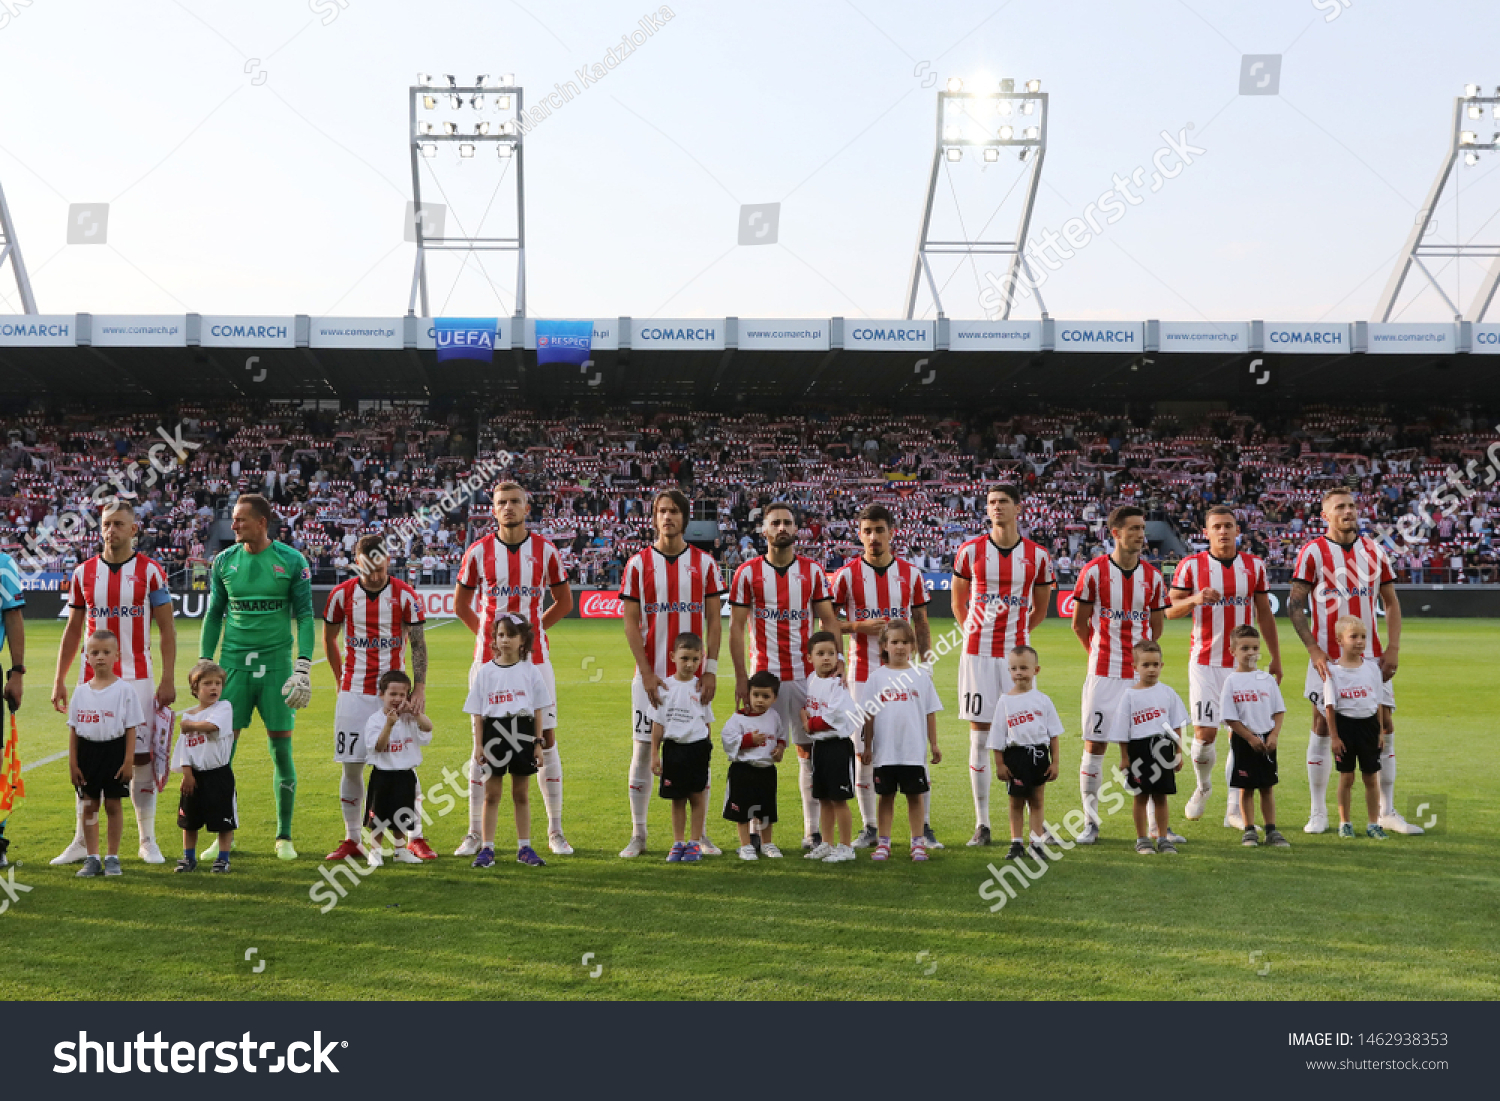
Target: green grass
<point>1409,918</point>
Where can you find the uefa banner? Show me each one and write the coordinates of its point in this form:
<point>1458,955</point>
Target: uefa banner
<point>564,342</point>
<point>465,337</point>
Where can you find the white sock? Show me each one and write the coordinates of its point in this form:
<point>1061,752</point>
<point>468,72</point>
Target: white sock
<point>809,804</point>
<point>640,785</point>
<point>523,843</point>
<point>708,801</point>
<point>415,833</point>
<point>1388,776</point>
<point>980,776</point>
<point>78,824</point>
<point>1151,817</point>
<point>1090,777</point>
<point>476,797</point>
<point>1203,755</point>
<point>1319,768</point>
<point>143,795</point>
<point>552,788</point>
<point>864,792</point>
<point>352,797</point>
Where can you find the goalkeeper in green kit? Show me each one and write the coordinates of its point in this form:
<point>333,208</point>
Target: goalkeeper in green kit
<point>256,588</point>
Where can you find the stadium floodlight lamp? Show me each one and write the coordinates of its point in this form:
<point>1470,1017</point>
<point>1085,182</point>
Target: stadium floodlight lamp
<point>481,128</point>
<point>429,102</point>
<point>1007,84</point>
<point>477,102</point>
<point>1028,107</point>
<point>429,149</point>
<point>455,101</point>
<point>451,79</point>
<point>991,155</point>
<point>466,149</point>
<point>505,149</point>
<point>450,128</point>
<point>1470,91</point>
<point>1030,133</point>
<point>1475,111</point>
<point>482,80</point>
<point>1471,158</point>
<point>502,103</point>
<point>954,153</point>
<point>1007,132</point>
<point>424,127</point>
<point>955,84</point>
<point>508,128</point>
<point>424,80</point>
<point>1004,108</point>
<point>508,80</point>
<point>1497,106</point>
<point>1033,86</point>
<point>1021,156</point>
<point>1468,137</point>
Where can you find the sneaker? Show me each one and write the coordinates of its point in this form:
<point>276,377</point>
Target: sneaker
<point>375,859</point>
<point>527,855</point>
<point>692,853</point>
<point>707,847</point>
<point>1016,851</point>
<point>1375,832</point>
<point>112,866</point>
<point>1346,831</point>
<point>1144,847</point>
<point>75,853</point>
<point>421,849</point>
<point>150,853</point>
<point>769,850</point>
<point>918,851</point>
<point>221,864</point>
<point>841,854</point>
<point>1165,845</point>
<point>1233,819</point>
<point>1040,851</point>
<point>1194,809</point>
<point>1317,822</point>
<point>1175,837</point>
<point>636,847</point>
<point>284,850</point>
<point>469,846</point>
<point>1251,838</point>
<point>1090,834</point>
<point>674,855</point>
<point>882,851</point>
<point>981,837</point>
<point>485,859</point>
<point>559,844</point>
<point>1397,824</point>
<point>91,867</point>
<point>868,838</point>
<point>404,855</point>
<point>812,841</point>
<point>1275,839</point>
<point>747,852</point>
<point>186,864</point>
<point>347,850</point>
<point>820,851</point>
<point>930,837</point>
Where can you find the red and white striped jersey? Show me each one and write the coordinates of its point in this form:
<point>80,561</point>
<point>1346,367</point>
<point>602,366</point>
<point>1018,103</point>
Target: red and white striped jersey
<point>781,612</point>
<point>1237,580</point>
<point>1123,601</point>
<point>1000,592</point>
<point>120,598</point>
<point>374,630</point>
<point>867,592</point>
<point>673,593</point>
<point>1345,580</point>
<point>511,578</point>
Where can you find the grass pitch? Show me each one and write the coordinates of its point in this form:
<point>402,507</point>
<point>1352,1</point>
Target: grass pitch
<point>1408,918</point>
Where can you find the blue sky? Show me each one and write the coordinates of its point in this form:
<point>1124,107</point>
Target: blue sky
<point>287,195</point>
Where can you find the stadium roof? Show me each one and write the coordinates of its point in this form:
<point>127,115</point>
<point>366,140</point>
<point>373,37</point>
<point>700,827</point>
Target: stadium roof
<point>713,362</point>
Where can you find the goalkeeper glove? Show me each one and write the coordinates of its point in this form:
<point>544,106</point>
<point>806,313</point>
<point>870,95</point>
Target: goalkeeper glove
<point>297,691</point>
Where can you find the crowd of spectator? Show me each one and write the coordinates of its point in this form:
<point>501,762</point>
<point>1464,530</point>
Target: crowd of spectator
<point>333,474</point>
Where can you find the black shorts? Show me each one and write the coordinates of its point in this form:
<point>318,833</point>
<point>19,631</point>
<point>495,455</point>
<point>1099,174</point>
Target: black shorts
<point>1151,761</point>
<point>391,800</point>
<point>906,779</point>
<point>1027,765</point>
<point>509,745</point>
<point>99,761</point>
<point>684,768</point>
<point>833,769</point>
<point>1361,738</point>
<point>211,804</point>
<point>1252,770</point>
<point>750,792</point>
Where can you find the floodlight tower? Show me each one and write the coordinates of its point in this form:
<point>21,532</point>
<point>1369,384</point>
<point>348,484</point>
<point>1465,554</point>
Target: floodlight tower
<point>1470,112</point>
<point>10,249</point>
<point>991,120</point>
<point>493,118</point>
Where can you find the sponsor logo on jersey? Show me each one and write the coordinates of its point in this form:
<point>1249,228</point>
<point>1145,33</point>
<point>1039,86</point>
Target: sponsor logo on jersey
<point>784,615</point>
<point>1020,718</point>
<point>375,643</point>
<point>680,607</point>
<point>520,590</point>
<point>1008,599</point>
<point>1231,601</point>
<point>1151,714</point>
<point>1247,697</point>
<point>1124,613</point>
<point>880,613</point>
<point>122,611</point>
<point>257,605</point>
<point>507,695</point>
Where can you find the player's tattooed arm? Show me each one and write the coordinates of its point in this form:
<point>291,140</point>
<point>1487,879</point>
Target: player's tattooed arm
<point>1297,605</point>
<point>416,637</point>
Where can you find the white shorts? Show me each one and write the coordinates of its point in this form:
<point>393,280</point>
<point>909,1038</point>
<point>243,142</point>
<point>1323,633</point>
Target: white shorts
<point>859,692</point>
<point>641,710</point>
<point>791,698</point>
<point>351,713</point>
<point>982,680</point>
<point>549,714</point>
<point>1101,700</point>
<point>1312,688</point>
<point>1205,690</point>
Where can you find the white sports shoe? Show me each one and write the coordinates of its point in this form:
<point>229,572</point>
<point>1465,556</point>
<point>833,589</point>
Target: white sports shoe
<point>1233,820</point>
<point>1316,823</point>
<point>708,848</point>
<point>406,856</point>
<point>76,853</point>
<point>747,852</point>
<point>151,854</point>
<point>469,846</point>
<point>559,844</point>
<point>376,860</point>
<point>770,851</point>
<point>821,851</point>
<point>841,854</point>
<point>1397,824</point>
<point>1194,809</point>
<point>636,847</point>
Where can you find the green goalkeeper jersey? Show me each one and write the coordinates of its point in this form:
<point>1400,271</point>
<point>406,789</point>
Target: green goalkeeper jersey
<point>252,599</point>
